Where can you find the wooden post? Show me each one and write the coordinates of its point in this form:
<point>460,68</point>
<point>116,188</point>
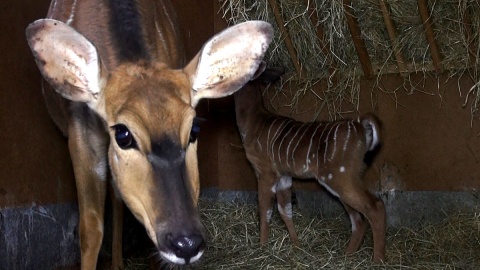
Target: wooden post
<point>321,37</point>
<point>428,27</point>
<point>392,34</point>
<point>467,24</point>
<point>357,40</point>
<point>286,36</point>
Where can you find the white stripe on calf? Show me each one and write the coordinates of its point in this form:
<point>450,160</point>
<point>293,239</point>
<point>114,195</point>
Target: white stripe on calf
<point>268,134</point>
<point>281,143</point>
<point>320,142</point>
<point>348,137</point>
<point>335,141</point>
<point>298,142</point>
<point>307,160</point>
<point>291,140</point>
<point>278,134</point>
<point>326,143</point>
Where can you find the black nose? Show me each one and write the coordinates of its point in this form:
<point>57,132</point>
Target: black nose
<point>186,247</point>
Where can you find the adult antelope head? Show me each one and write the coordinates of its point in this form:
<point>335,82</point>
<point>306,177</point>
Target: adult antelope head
<point>128,104</point>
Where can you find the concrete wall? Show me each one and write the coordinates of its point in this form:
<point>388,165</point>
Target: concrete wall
<point>35,162</point>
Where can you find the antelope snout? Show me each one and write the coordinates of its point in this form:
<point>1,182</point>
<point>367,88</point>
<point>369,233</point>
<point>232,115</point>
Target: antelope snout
<point>190,248</point>
<point>182,248</point>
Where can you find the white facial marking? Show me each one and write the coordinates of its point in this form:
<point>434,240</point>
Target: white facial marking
<point>101,169</point>
<point>330,176</point>
<point>342,169</point>
<point>196,257</point>
<point>174,259</point>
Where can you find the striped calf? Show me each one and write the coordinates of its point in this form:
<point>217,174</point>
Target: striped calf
<point>280,148</point>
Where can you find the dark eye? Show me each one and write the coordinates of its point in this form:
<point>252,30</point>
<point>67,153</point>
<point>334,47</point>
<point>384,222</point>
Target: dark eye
<point>195,129</point>
<point>124,137</point>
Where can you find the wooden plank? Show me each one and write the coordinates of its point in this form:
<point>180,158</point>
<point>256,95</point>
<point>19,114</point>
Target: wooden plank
<point>359,43</point>
<point>428,27</point>
<point>321,36</point>
<point>392,34</point>
<point>286,36</point>
<point>467,24</point>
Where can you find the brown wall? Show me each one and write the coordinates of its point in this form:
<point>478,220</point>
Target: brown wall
<point>427,140</point>
<point>34,162</point>
<point>428,143</point>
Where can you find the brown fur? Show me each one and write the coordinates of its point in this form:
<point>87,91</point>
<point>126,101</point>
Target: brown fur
<point>119,81</point>
<point>280,148</point>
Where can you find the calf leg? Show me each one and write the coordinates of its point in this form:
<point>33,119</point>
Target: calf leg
<point>265,203</point>
<point>90,176</point>
<point>358,229</point>
<point>373,209</point>
<point>117,224</point>
<point>284,204</point>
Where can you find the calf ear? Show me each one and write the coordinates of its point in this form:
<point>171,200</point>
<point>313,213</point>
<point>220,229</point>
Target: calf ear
<point>228,60</point>
<point>67,60</point>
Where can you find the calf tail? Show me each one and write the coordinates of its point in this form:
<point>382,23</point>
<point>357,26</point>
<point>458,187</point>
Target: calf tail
<point>371,125</point>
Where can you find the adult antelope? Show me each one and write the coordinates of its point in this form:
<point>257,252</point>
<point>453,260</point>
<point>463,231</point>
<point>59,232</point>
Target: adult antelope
<point>280,148</point>
<point>127,104</point>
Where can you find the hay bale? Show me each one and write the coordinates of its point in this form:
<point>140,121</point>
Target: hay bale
<point>456,37</point>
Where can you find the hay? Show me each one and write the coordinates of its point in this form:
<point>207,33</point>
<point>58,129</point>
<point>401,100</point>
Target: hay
<point>233,243</point>
<point>339,65</point>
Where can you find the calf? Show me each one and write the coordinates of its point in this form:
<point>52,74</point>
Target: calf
<point>280,148</point>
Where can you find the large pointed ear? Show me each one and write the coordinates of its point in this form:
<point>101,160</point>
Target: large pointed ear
<point>67,60</point>
<point>228,60</point>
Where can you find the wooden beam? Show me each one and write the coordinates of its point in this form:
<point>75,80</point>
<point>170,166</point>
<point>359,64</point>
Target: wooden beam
<point>428,27</point>
<point>392,34</point>
<point>356,34</point>
<point>467,24</point>
<point>321,36</point>
<point>287,39</point>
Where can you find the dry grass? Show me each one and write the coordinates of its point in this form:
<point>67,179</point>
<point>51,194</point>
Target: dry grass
<point>453,35</point>
<point>233,243</point>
